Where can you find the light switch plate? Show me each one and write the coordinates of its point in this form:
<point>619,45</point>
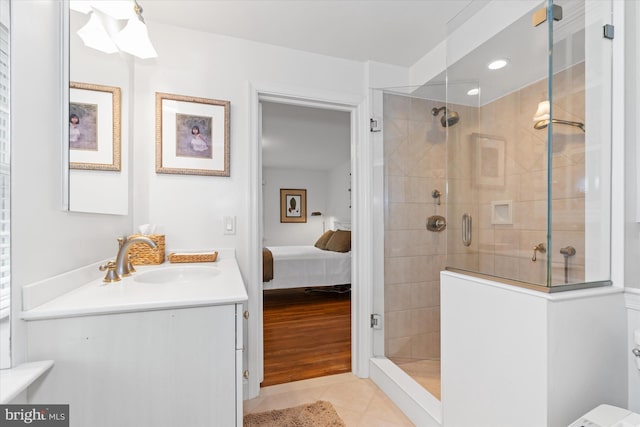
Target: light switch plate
<point>229,223</point>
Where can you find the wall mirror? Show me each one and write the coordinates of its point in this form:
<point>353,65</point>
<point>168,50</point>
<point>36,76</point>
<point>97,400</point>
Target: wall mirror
<point>96,161</point>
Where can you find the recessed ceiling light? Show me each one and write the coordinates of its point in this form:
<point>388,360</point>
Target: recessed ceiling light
<point>497,64</point>
<point>473,91</point>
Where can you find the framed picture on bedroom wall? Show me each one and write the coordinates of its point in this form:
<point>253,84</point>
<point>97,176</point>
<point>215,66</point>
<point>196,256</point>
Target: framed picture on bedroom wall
<point>293,205</point>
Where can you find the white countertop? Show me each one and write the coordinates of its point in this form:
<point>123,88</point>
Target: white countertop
<point>128,295</point>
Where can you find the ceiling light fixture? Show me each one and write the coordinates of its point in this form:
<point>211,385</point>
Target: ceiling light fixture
<point>95,36</point>
<point>542,118</point>
<point>498,64</point>
<point>473,92</point>
<point>132,39</point>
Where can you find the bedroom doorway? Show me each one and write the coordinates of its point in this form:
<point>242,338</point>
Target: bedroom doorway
<point>306,229</point>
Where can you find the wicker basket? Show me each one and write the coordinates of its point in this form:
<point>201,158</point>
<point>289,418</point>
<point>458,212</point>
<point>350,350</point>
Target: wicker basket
<point>200,257</point>
<point>142,254</point>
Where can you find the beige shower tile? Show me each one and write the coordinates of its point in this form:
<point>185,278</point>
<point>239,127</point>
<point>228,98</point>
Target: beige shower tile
<point>507,267</point>
<point>407,216</point>
<point>463,261</point>
<point>568,146</point>
<point>398,297</point>
<point>567,215</point>
<point>422,319</point>
<point>420,109</point>
<point>402,189</point>
<point>396,106</point>
<point>533,272</point>
<point>422,346</point>
<point>398,347</point>
<point>533,186</point>
<point>410,269</point>
<point>530,215</point>
<point>507,242</point>
<point>533,155</point>
<point>568,182</point>
<point>399,324</point>
<point>575,273</point>
<point>420,242</point>
<point>418,135</point>
<point>486,240</point>
<point>561,239</point>
<point>433,164</point>
<point>509,191</point>
<point>436,344</point>
<point>485,263</point>
<point>460,191</point>
<point>484,216</point>
<point>529,239</point>
<point>425,294</point>
<point>512,165</point>
<point>460,160</point>
<point>455,212</point>
<point>436,319</point>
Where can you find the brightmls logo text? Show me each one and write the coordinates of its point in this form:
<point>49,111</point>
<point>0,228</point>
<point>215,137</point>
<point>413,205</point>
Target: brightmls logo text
<point>27,416</point>
<point>36,415</point>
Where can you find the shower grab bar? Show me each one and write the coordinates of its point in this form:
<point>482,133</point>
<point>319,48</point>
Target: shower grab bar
<point>466,229</point>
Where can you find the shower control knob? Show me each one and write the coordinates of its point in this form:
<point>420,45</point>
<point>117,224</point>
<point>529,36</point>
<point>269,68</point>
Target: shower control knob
<point>436,223</point>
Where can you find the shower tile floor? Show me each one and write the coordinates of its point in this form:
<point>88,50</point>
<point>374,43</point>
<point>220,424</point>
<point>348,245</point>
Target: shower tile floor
<point>425,372</point>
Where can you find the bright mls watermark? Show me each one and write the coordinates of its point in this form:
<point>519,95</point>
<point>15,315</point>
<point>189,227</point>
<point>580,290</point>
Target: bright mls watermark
<point>35,415</point>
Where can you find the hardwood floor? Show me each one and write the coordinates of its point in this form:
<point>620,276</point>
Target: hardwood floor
<point>305,335</point>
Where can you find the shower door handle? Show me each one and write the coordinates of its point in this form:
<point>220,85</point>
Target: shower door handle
<point>466,229</point>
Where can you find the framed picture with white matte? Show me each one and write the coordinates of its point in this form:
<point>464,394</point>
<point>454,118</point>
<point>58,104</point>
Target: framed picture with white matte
<point>192,135</point>
<point>293,205</point>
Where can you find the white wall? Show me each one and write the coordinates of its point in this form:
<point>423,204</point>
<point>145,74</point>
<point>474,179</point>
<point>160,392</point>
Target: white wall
<point>189,209</point>
<point>46,240</point>
<point>292,233</point>
<point>339,200</point>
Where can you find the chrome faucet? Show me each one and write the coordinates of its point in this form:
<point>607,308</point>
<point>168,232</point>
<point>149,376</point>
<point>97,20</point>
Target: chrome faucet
<point>122,259</point>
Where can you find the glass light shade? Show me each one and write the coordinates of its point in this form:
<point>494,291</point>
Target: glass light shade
<point>543,112</point>
<point>94,35</point>
<point>134,39</point>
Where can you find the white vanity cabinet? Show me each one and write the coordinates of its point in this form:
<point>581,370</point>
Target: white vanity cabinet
<point>166,367</point>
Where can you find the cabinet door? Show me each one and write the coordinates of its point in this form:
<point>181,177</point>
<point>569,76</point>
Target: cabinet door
<point>160,368</point>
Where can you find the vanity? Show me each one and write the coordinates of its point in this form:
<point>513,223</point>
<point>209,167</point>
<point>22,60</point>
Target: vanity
<point>160,348</point>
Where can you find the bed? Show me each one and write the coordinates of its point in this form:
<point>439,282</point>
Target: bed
<point>326,264</point>
<point>305,266</point>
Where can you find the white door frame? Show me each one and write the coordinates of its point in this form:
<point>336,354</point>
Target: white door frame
<point>361,216</point>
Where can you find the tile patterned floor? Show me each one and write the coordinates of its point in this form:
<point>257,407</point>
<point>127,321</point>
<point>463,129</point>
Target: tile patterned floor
<point>358,401</point>
<point>425,372</point>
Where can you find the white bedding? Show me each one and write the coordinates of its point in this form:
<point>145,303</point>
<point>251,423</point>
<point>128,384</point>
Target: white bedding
<point>303,266</point>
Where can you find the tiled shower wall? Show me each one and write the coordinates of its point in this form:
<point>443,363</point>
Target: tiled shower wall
<point>416,163</point>
<point>415,159</point>
<point>506,250</point>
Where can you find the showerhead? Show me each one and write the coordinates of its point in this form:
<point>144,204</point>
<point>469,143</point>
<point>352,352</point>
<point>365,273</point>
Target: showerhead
<point>449,118</point>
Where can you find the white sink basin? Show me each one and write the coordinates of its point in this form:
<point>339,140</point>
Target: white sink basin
<point>177,275</point>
